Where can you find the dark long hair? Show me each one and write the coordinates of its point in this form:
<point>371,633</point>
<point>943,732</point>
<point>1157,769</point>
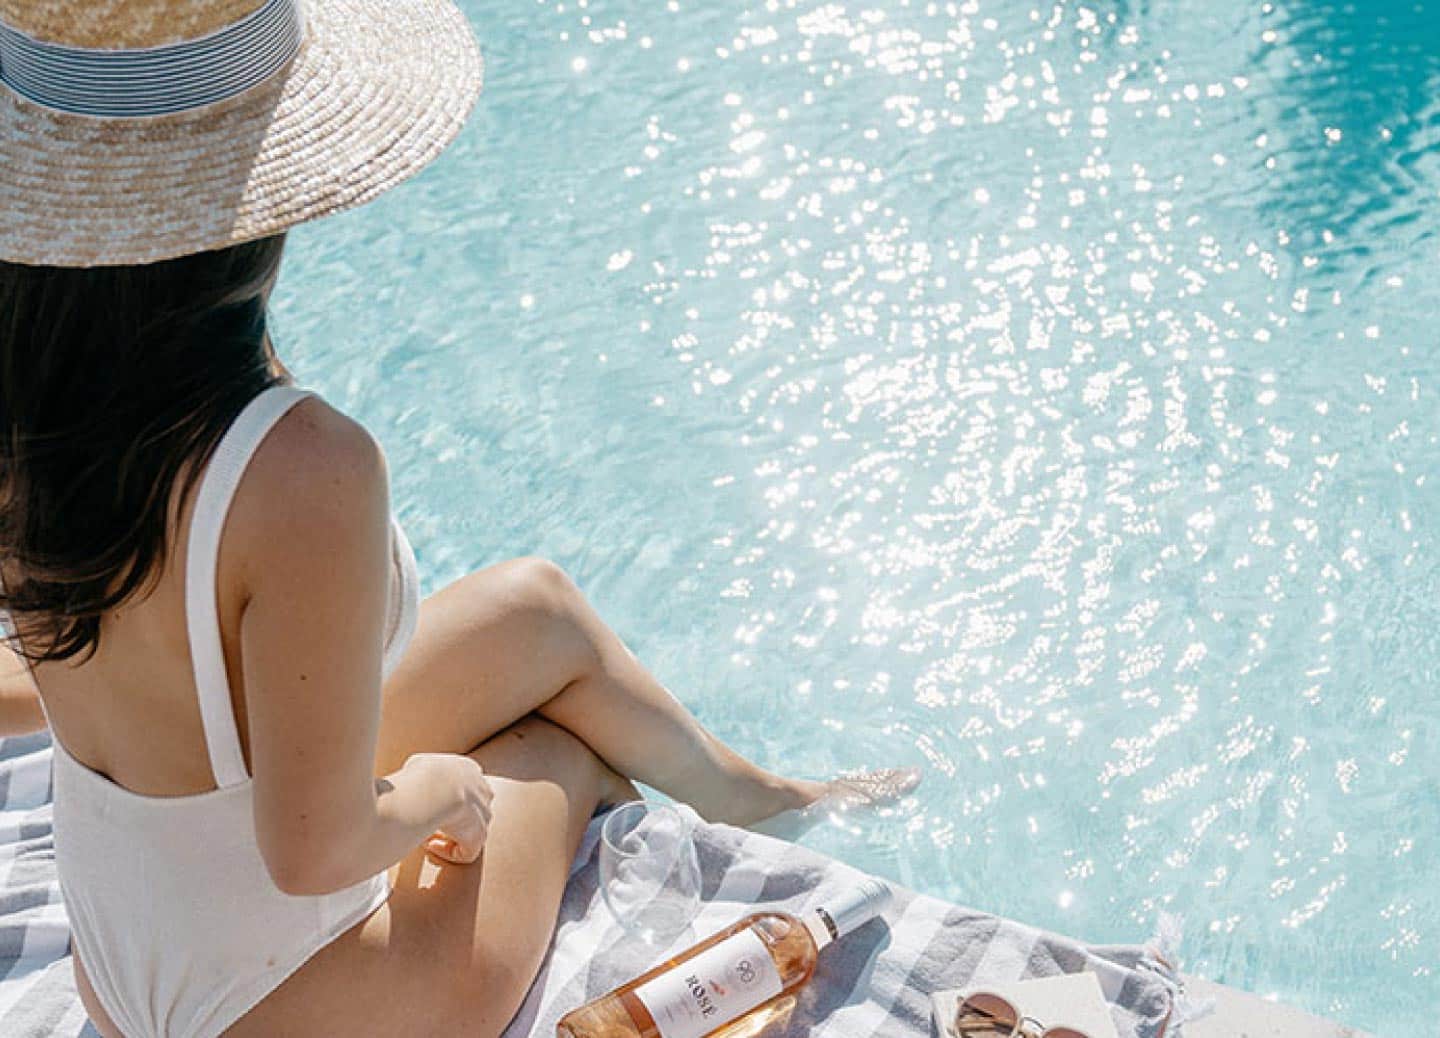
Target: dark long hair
<point>112,381</point>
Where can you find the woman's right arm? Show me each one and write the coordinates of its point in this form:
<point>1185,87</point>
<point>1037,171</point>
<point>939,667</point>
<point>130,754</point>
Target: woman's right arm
<point>316,569</point>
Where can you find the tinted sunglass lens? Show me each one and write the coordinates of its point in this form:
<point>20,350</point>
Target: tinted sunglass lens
<point>1063,1032</point>
<point>986,1016</point>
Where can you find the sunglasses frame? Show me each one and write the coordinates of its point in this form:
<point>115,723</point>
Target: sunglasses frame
<point>1021,1028</point>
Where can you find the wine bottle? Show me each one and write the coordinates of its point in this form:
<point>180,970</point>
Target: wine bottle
<point>727,976</point>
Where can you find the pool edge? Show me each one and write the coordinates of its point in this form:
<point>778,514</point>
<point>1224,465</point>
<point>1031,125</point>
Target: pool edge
<point>1241,1014</point>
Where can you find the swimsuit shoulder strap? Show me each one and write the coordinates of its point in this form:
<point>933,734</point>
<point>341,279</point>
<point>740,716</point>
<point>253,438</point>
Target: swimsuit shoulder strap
<point>212,502</point>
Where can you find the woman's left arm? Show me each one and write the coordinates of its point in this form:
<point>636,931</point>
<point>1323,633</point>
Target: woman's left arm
<point>20,712</point>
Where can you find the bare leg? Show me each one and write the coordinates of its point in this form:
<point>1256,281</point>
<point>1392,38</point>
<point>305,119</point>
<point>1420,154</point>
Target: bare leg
<point>637,726</point>
<point>519,637</point>
<point>456,947</point>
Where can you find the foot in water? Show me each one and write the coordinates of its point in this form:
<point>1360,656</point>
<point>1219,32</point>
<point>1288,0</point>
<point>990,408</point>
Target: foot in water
<point>848,792</point>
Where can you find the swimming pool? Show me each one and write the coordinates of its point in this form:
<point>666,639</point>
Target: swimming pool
<point>1045,394</point>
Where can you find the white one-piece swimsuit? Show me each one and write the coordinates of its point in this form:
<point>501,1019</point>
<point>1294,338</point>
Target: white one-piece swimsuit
<point>171,907</point>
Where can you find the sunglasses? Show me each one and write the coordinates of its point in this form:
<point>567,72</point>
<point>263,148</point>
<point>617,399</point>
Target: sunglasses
<point>983,1015</point>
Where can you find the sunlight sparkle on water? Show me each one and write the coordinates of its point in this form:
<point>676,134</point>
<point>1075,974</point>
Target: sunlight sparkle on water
<point>1038,393</point>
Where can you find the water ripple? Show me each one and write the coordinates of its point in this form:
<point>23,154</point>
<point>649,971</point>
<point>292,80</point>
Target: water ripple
<point>1039,392</point>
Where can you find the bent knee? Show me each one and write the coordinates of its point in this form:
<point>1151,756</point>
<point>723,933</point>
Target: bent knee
<point>534,748</point>
<point>545,588</point>
<point>535,727</point>
<point>544,579</point>
<point>550,738</point>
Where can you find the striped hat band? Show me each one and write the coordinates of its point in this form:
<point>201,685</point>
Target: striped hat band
<point>148,81</point>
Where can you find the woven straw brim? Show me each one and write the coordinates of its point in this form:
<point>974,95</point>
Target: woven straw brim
<point>376,91</point>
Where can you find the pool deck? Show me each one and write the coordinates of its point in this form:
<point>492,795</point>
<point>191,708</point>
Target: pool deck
<point>1239,1014</point>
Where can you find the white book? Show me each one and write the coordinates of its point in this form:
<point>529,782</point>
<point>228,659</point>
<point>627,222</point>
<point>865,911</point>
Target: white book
<point>1068,1000</point>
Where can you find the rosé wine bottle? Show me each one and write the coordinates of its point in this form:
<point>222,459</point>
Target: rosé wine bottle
<point>739,971</point>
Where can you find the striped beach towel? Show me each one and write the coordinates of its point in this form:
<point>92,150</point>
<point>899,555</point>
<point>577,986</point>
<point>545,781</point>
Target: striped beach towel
<point>876,982</point>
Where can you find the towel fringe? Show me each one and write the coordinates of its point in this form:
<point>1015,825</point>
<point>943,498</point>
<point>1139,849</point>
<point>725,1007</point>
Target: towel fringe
<point>1162,957</point>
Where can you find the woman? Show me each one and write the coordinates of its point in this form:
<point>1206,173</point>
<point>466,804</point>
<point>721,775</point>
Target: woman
<point>290,798</point>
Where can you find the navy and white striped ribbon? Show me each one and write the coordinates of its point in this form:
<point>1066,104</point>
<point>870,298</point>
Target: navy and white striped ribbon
<point>173,77</point>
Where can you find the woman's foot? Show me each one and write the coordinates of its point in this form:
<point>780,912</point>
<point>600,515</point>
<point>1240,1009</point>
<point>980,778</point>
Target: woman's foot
<point>849,791</point>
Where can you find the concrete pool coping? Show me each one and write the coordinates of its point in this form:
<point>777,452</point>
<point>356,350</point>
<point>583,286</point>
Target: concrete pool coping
<point>1240,1014</point>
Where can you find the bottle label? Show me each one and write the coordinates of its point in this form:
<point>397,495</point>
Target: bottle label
<point>721,984</point>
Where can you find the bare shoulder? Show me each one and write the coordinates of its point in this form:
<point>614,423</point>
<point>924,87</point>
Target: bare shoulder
<point>313,432</point>
<point>317,480</point>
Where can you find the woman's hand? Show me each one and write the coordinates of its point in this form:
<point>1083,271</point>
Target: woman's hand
<point>461,835</point>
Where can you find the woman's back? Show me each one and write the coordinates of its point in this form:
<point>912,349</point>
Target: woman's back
<point>132,711</point>
<point>174,912</point>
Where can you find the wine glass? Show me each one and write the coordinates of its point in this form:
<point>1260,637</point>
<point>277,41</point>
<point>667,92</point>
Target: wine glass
<point>649,871</point>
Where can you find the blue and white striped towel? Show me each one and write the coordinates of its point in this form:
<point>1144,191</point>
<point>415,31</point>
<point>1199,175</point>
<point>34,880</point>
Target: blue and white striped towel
<point>876,982</point>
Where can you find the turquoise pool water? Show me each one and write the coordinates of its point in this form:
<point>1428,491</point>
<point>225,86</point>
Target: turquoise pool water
<point>1043,394</point>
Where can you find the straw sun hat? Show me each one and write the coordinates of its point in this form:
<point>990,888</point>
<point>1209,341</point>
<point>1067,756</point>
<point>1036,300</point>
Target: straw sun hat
<point>137,130</point>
